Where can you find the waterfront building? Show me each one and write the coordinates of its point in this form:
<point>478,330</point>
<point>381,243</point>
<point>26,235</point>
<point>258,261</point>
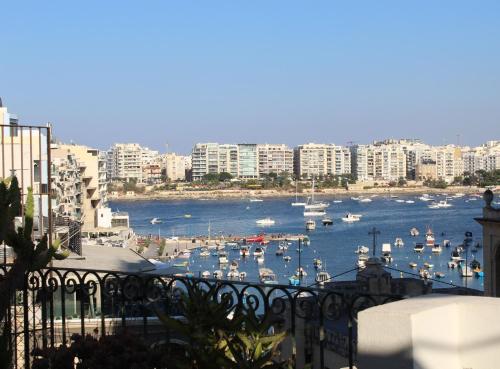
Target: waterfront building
<point>485,157</point>
<point>440,163</point>
<point>277,158</point>
<point>151,173</point>
<point>379,161</point>
<point>228,159</point>
<point>173,166</point>
<point>204,159</point>
<point>126,161</point>
<point>248,161</point>
<point>314,160</point>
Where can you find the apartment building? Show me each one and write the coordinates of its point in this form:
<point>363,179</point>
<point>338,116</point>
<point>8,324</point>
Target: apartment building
<point>204,160</point>
<point>228,159</point>
<point>173,166</point>
<point>248,161</point>
<point>379,161</point>
<point>485,157</point>
<point>440,162</point>
<point>126,161</point>
<point>274,159</point>
<point>313,160</point>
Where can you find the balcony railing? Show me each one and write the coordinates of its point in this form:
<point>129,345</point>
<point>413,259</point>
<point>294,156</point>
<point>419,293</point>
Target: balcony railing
<point>55,303</point>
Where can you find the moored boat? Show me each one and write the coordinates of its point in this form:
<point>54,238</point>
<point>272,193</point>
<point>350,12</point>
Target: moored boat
<point>322,277</point>
<point>419,247</point>
<point>350,218</point>
<point>398,242</point>
<point>414,232</point>
<point>267,276</point>
<point>265,222</point>
<point>310,225</point>
<point>327,221</point>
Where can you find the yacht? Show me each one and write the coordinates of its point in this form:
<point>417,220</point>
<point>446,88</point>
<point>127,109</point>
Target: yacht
<point>314,213</point>
<point>223,258</point>
<point>218,274</point>
<point>419,247</point>
<point>436,249</point>
<point>429,238</point>
<point>398,242</point>
<point>265,222</point>
<point>386,253</point>
<point>414,232</point>
<point>315,205</point>
<point>349,218</point>
<point>439,205</point>
<point>258,251</point>
<point>322,277</point>
<point>297,202</point>
<point>327,221</point>
<point>267,276</point>
<point>155,221</point>
<point>310,225</point>
<point>362,250</point>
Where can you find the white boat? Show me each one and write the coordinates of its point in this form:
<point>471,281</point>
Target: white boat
<point>265,222</point>
<point>428,265</point>
<point>425,197</point>
<point>317,263</point>
<point>155,221</point>
<point>322,277</point>
<point>337,201</point>
<point>362,250</point>
<point>410,202</point>
<point>455,255</point>
<point>300,272</point>
<point>400,201</point>
<point>297,202</point>
<point>419,247</point>
<point>234,265</point>
<point>205,253</point>
<point>205,274</point>
<point>287,258</point>
<point>310,225</point>
<point>386,253</point>
<point>429,238</point>
<point>398,242</point>
<point>424,273</point>
<point>267,276</point>
<point>233,274</point>
<point>314,213</point>
<point>256,200</point>
<point>465,271</point>
<point>315,205</point>
<point>245,250</point>
<point>186,254</point>
<point>436,249</point>
<point>223,258</point>
<point>412,264</point>
<point>258,251</point>
<point>361,262</point>
<point>365,199</point>
<point>355,198</point>
<point>242,275</point>
<point>327,221</point>
<point>349,218</point>
<point>414,232</point>
<point>440,205</point>
<point>260,259</point>
<point>218,274</point>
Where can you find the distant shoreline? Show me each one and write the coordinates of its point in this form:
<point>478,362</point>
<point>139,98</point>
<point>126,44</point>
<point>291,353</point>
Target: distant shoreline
<point>273,193</point>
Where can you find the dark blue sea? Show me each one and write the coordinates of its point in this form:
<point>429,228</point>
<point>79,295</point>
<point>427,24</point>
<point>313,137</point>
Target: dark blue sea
<point>334,245</point>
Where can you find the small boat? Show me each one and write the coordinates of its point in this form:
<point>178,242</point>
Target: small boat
<point>465,271</point>
<point>419,247</point>
<point>365,199</point>
<point>350,218</point>
<point>155,221</point>
<point>294,281</point>
<point>315,205</point>
<point>337,201</point>
<point>233,274</point>
<point>314,213</point>
<point>436,249</point>
<point>267,276</point>
<point>300,272</point>
<point>386,253</point>
<point>354,198</point>
<point>234,265</point>
<point>425,197</point>
<point>424,273</point>
<point>410,202</point>
<point>428,265</point>
<point>439,205</point>
<point>455,255</point>
<point>306,241</point>
<point>218,274</point>
<point>439,275</point>
<point>265,222</point>
<point>452,264</point>
<point>279,251</point>
<point>414,232</point>
<point>255,200</point>
<point>233,245</point>
<point>429,238</point>
<point>412,264</point>
<point>362,250</point>
<point>322,277</point>
<point>245,251</point>
<point>398,242</point>
<point>361,262</point>
<point>242,275</point>
<point>206,274</point>
<point>400,201</point>
<point>327,221</point>
<point>317,263</point>
<point>181,264</point>
<point>446,243</point>
<point>186,254</point>
<point>258,251</point>
<point>260,259</point>
<point>297,202</point>
<point>287,258</point>
<point>310,225</point>
<point>223,258</point>
<point>205,253</point>
<point>187,216</point>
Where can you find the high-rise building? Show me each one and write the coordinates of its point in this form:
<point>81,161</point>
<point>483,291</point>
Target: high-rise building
<point>313,160</point>
<point>440,162</point>
<point>485,157</point>
<point>228,159</point>
<point>275,159</point>
<point>204,160</point>
<point>174,166</point>
<point>379,161</point>
<point>248,161</point>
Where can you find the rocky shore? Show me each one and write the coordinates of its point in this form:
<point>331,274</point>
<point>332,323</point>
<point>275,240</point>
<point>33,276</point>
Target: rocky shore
<point>274,193</point>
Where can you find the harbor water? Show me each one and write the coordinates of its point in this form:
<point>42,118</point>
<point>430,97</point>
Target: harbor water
<point>335,245</point>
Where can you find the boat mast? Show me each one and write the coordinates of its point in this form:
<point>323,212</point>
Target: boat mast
<point>300,252</point>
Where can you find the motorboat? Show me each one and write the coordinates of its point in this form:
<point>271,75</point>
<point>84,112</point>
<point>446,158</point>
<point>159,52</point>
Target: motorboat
<point>233,274</point>
<point>414,232</point>
<point>425,197</point>
<point>300,272</point>
<point>279,251</point>
<point>317,263</point>
<point>350,218</point>
<point>306,241</point>
<point>187,216</point>
<point>255,239</point>
<point>314,213</point>
<point>429,238</point>
<point>294,281</point>
<point>205,253</point>
<point>410,202</point>
<point>398,242</point>
<point>182,264</point>
<point>354,198</point>
<point>428,265</point>
<point>337,201</point>
<point>440,205</point>
<point>253,199</point>
<point>206,274</point>
<point>233,245</point>
<point>155,221</point>
<point>446,243</point>
<point>223,258</point>
<point>242,275</point>
<point>258,251</point>
<point>386,253</point>
<point>365,199</point>
<point>260,259</point>
<point>327,221</point>
<point>265,222</point>
<point>424,273</point>
<point>234,265</point>
<point>412,264</point>
<point>439,275</point>
<point>218,274</point>
<point>267,276</point>
<point>437,249</point>
<point>322,277</point>
<point>465,270</point>
<point>419,247</point>
<point>455,255</point>
<point>287,258</point>
<point>400,201</point>
<point>310,225</point>
<point>362,250</point>
<point>244,250</point>
<point>361,262</point>
<point>186,254</point>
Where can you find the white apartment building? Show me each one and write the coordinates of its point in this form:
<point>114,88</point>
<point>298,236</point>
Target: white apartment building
<point>173,166</point>
<point>204,160</point>
<point>248,161</point>
<point>440,162</point>
<point>379,161</point>
<point>126,161</point>
<point>275,159</point>
<point>228,159</point>
<point>313,160</point>
<point>485,157</point>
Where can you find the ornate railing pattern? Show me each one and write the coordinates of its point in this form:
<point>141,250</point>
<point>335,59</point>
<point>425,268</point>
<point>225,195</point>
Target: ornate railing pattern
<point>55,303</point>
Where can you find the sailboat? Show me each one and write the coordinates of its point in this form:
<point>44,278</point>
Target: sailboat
<point>315,205</point>
<point>297,202</point>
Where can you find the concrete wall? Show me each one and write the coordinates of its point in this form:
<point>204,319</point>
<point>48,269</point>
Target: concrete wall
<point>433,331</point>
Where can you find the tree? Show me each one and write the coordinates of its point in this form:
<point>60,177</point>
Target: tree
<point>30,256</point>
<point>224,176</point>
<point>211,177</point>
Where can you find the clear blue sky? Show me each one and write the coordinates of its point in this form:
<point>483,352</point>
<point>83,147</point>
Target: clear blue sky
<point>181,72</point>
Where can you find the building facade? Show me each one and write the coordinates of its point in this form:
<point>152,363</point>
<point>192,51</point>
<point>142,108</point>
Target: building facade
<point>379,161</point>
<point>275,159</point>
<point>314,160</point>
<point>174,167</point>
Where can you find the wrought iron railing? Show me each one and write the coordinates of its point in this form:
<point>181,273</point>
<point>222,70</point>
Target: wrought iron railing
<point>55,303</point>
